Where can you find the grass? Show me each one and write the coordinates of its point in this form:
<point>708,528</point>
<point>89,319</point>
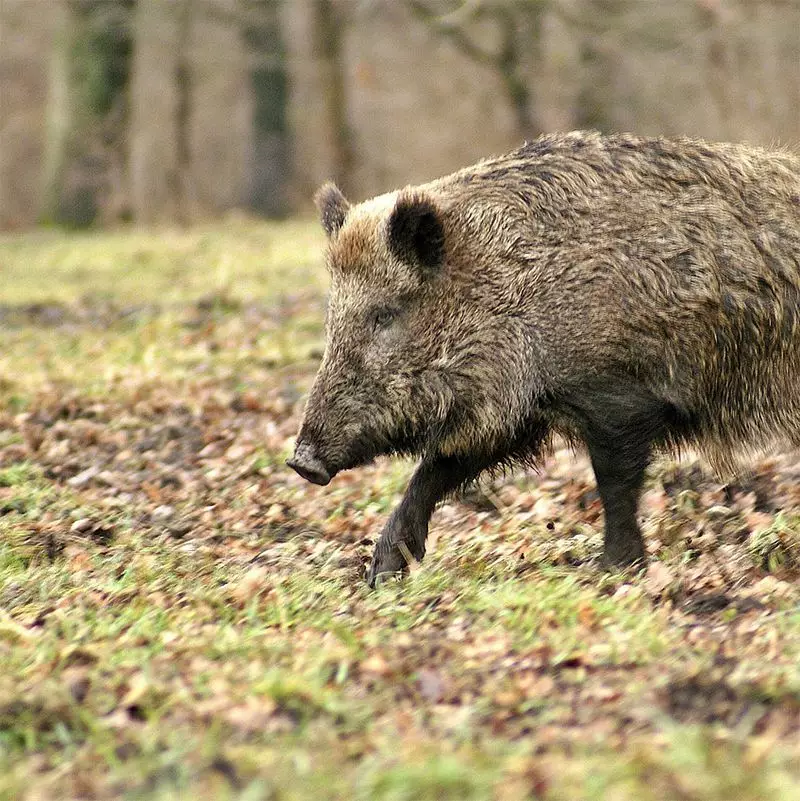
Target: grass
<point>181,616</point>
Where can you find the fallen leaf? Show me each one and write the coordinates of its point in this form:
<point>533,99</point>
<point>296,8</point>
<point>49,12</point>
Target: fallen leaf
<point>251,584</point>
<point>84,477</point>
<point>658,578</point>
<point>376,665</point>
<point>587,616</point>
<point>431,685</point>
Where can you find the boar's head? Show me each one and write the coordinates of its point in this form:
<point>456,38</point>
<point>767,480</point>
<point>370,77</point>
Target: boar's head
<point>411,355</point>
<point>381,387</point>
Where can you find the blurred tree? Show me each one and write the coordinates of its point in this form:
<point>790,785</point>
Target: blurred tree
<point>165,110</point>
<point>328,29</point>
<point>715,19</point>
<point>87,107</point>
<point>59,115</point>
<point>159,108</point>
<point>517,32</point>
<point>187,111</point>
<point>268,173</point>
<point>180,178</point>
<point>600,61</point>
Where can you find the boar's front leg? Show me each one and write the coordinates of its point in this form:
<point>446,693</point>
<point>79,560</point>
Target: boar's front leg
<point>407,528</point>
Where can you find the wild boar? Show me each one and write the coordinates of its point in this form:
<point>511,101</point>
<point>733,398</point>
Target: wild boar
<point>630,294</point>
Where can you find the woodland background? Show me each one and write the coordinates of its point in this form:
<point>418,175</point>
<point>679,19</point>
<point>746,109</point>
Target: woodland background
<point>175,111</point>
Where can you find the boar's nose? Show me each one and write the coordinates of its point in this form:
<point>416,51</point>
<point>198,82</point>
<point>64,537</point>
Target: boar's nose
<point>308,464</point>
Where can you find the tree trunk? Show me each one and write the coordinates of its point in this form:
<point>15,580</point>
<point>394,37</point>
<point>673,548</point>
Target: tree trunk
<point>156,114</point>
<point>181,177</point>
<point>59,115</point>
<point>596,99</point>
<point>86,110</point>
<point>328,53</point>
<point>517,27</point>
<point>268,175</point>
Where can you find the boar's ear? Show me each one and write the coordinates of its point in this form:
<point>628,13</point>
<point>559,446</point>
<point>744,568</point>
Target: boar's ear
<point>332,206</point>
<point>416,235</point>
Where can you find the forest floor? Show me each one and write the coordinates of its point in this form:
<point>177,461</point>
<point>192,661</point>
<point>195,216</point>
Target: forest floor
<point>181,616</point>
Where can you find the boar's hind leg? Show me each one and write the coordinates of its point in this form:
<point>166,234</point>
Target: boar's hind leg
<point>408,525</point>
<point>619,473</point>
<point>620,430</point>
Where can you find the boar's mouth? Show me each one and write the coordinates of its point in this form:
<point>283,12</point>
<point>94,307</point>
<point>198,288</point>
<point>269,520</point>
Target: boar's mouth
<point>310,467</point>
<point>312,463</point>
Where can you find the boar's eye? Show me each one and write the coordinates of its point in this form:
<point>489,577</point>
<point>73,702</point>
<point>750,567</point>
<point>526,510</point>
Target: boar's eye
<point>383,318</point>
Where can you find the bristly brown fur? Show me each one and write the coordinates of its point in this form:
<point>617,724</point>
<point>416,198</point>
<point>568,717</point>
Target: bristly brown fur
<point>633,294</point>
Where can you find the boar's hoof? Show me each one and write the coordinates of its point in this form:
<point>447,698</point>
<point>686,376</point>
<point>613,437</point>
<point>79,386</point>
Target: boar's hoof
<point>390,562</point>
<point>401,542</point>
<point>615,559</point>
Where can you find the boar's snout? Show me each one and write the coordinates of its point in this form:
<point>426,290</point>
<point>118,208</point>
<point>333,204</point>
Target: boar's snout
<point>306,462</point>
